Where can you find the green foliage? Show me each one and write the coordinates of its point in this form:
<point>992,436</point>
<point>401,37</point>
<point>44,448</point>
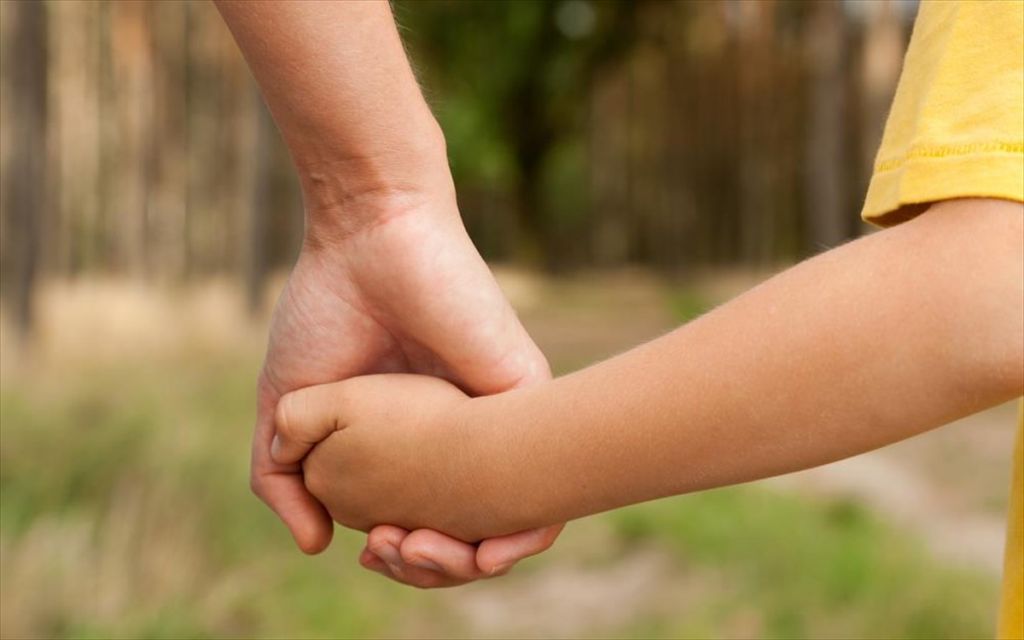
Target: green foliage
<point>508,81</point>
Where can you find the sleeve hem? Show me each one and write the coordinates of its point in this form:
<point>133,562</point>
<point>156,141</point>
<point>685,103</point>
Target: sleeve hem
<point>899,194</point>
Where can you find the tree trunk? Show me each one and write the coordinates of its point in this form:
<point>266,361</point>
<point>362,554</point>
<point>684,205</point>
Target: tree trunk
<point>24,170</point>
<point>260,207</point>
<point>828,223</point>
<point>881,53</point>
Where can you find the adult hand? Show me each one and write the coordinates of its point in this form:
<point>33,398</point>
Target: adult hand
<point>387,279</point>
<point>404,292</point>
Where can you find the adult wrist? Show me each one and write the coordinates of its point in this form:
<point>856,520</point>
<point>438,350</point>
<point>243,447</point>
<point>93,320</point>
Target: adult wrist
<point>345,192</point>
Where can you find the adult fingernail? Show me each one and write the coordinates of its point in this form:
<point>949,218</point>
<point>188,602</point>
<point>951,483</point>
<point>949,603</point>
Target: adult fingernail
<point>423,563</point>
<point>391,557</point>
<point>275,448</point>
<point>389,554</point>
<point>500,568</point>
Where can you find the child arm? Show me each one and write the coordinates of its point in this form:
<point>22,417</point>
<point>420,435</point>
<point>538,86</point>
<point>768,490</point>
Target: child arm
<point>864,345</point>
<point>872,342</point>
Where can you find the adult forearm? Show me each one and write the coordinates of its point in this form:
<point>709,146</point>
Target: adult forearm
<point>341,90</point>
<point>870,343</point>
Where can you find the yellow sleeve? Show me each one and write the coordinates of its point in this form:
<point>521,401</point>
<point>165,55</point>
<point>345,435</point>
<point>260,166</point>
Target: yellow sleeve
<point>956,128</point>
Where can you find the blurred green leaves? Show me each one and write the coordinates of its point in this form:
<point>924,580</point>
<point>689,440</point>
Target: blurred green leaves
<point>509,82</point>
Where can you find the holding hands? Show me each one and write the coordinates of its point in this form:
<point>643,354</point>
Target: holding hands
<point>407,295</point>
<point>387,279</point>
<point>394,448</point>
<point>871,342</point>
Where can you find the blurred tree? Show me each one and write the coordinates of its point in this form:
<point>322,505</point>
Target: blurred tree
<point>166,145</point>
<point>24,173</point>
<point>757,55</point>
<point>513,75</point>
<point>580,132</point>
<point>828,219</point>
<point>261,206</point>
<point>882,57</point>
<point>74,129</point>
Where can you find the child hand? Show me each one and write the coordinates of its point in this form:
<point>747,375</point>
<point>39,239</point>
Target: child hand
<point>391,449</point>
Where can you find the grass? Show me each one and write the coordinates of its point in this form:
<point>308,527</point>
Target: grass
<point>810,568</point>
<point>125,513</point>
<point>685,304</point>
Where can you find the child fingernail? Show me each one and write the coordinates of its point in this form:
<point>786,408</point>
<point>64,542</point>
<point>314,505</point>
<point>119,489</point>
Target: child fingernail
<point>423,563</point>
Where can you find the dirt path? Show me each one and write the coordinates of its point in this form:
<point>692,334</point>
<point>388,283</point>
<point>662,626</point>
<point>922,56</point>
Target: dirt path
<point>949,487</point>
<point>568,600</point>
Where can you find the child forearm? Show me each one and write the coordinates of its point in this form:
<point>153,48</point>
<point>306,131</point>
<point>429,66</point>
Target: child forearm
<point>878,340</point>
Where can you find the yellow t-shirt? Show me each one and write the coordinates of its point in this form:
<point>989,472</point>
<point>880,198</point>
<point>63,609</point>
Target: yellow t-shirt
<point>956,129</point>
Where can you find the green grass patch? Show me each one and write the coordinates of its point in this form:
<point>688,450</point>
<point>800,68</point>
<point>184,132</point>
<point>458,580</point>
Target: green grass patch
<point>685,304</point>
<point>139,475</point>
<point>810,568</point>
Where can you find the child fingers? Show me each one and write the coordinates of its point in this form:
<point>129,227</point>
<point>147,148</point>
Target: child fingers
<point>303,419</point>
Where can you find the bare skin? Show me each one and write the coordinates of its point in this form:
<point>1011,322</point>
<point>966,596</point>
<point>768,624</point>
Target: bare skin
<point>870,343</point>
<point>387,280</point>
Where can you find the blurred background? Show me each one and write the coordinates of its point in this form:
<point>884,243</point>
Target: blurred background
<point>624,167</point>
